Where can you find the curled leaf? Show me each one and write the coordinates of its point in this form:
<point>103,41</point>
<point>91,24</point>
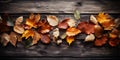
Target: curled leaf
<point>13,38</point>
<point>63,24</point>
<point>45,38</point>
<point>36,38</point>
<point>71,23</point>
<point>90,37</point>
<point>86,27</point>
<point>5,39</point>
<point>63,36</point>
<point>56,33</point>
<point>69,39</point>
<point>59,41</point>
<point>98,31</point>
<point>93,19</point>
<point>72,31</point>
<point>101,41</point>
<point>28,33</point>
<point>19,20</point>
<point>18,29</point>
<point>77,14</point>
<point>52,20</point>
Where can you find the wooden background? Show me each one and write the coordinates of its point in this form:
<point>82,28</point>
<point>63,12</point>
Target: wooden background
<point>60,8</point>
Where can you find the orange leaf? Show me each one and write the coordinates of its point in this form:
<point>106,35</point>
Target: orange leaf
<point>106,21</point>
<point>69,39</point>
<point>72,31</point>
<point>86,27</point>
<point>28,33</point>
<point>114,33</point>
<point>101,41</point>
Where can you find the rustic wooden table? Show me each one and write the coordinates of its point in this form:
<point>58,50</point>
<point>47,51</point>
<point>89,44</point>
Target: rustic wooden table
<point>62,9</point>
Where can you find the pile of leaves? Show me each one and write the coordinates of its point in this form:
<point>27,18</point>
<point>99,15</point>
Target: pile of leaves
<point>101,29</point>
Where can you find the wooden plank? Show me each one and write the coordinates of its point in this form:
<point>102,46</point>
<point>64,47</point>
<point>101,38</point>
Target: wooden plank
<point>60,6</point>
<point>77,49</point>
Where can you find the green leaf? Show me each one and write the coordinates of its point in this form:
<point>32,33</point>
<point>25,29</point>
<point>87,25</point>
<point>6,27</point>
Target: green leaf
<point>77,14</point>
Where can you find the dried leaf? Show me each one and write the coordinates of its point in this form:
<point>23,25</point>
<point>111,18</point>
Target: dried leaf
<point>101,41</point>
<point>52,20</point>
<point>93,19</point>
<point>71,23</point>
<point>45,38</point>
<point>56,33</point>
<point>114,33</point>
<point>19,20</point>
<point>36,38</point>
<point>19,29</point>
<point>59,42</point>
<point>114,42</point>
<point>13,38</point>
<point>98,31</point>
<point>69,39</point>
<point>5,39</point>
<point>106,21</point>
<point>86,27</point>
<point>28,33</point>
<point>63,24</point>
<point>90,37</point>
<point>72,31</point>
<point>77,14</point>
<point>63,36</point>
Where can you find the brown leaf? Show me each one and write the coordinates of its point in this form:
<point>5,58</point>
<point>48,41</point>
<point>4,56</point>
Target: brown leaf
<point>19,29</point>
<point>45,38</point>
<point>63,24</point>
<point>5,39</point>
<point>114,33</point>
<point>98,31</point>
<point>100,41</point>
<point>36,38</point>
<point>114,42</point>
<point>13,38</point>
<point>19,20</point>
<point>72,31</point>
<point>86,27</point>
<point>69,39</point>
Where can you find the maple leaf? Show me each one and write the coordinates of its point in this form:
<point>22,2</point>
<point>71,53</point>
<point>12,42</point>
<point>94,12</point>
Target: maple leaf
<point>28,33</point>
<point>86,27</point>
<point>69,39</point>
<point>72,31</point>
<point>106,21</point>
<point>33,20</point>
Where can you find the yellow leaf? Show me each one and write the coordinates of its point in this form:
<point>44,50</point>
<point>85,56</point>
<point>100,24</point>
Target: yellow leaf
<point>69,39</point>
<point>28,33</point>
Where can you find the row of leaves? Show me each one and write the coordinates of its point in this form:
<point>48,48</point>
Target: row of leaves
<point>99,29</point>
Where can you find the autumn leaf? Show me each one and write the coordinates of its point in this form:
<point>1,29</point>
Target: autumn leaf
<point>106,21</point>
<point>45,38</point>
<point>33,20</point>
<point>101,41</point>
<point>114,33</point>
<point>114,42</point>
<point>36,38</point>
<point>71,23</point>
<point>98,31</point>
<point>5,39</point>
<point>93,19</point>
<point>63,24</point>
<point>28,33</point>
<point>86,27</point>
<point>89,38</point>
<point>52,20</point>
<point>72,31</point>
<point>69,39</point>
<point>77,14</point>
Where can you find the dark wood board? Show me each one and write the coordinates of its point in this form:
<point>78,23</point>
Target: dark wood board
<point>78,49</point>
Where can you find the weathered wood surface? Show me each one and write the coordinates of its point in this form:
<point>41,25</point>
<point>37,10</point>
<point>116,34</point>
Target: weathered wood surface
<point>60,6</point>
<point>77,49</point>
